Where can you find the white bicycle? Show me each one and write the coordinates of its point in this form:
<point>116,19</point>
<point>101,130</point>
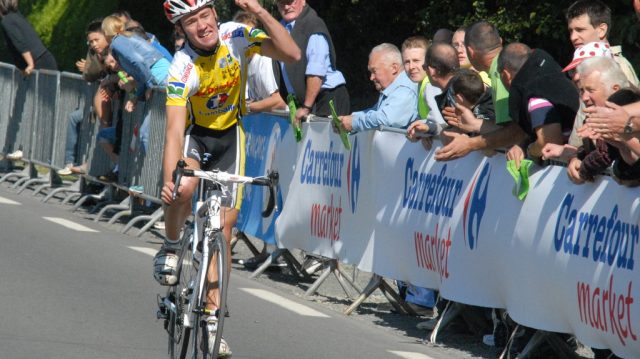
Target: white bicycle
<point>203,242</point>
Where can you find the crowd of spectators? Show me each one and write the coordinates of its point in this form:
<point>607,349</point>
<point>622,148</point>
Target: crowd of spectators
<point>487,95</point>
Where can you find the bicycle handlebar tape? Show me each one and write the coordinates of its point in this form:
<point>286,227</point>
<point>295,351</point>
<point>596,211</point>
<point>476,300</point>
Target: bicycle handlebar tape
<point>177,176</point>
<point>262,181</point>
<point>344,136</point>
<point>297,132</point>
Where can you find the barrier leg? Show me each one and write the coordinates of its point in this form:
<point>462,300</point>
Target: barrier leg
<point>54,181</point>
<point>240,236</point>
<point>101,196</point>
<point>333,266</point>
<point>377,282</point>
<point>152,219</point>
<point>291,261</point>
<point>450,312</point>
<point>125,204</point>
<point>31,182</point>
<point>373,284</point>
<point>126,212</point>
<point>31,172</point>
<point>71,197</point>
<point>74,187</point>
<point>21,174</point>
<point>559,346</point>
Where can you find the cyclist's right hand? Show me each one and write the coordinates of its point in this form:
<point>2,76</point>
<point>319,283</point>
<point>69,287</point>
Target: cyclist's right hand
<point>167,192</point>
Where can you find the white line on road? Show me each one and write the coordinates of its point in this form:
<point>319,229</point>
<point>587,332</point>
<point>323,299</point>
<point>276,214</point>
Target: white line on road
<point>8,201</point>
<point>69,224</point>
<point>148,251</point>
<point>410,355</point>
<point>284,303</point>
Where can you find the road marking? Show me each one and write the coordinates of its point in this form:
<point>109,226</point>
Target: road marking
<point>284,303</point>
<point>148,251</point>
<point>69,224</point>
<point>8,201</point>
<point>409,355</point>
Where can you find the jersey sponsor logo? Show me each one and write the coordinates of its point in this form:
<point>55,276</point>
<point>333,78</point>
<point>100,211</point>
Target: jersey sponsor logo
<point>186,72</point>
<point>256,33</point>
<point>217,101</point>
<point>222,87</point>
<point>235,33</point>
<point>175,89</point>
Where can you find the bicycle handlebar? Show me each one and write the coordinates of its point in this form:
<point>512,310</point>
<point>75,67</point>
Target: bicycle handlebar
<point>270,181</point>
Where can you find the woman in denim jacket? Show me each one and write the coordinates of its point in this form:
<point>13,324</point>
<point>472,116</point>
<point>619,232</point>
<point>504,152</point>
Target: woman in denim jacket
<point>140,60</point>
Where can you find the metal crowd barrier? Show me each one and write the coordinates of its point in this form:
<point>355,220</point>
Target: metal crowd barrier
<point>7,85</point>
<point>34,117</point>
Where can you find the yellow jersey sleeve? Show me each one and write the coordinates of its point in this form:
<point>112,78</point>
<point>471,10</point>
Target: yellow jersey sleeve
<point>183,79</point>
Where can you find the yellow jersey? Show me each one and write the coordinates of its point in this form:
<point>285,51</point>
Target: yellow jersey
<point>213,87</point>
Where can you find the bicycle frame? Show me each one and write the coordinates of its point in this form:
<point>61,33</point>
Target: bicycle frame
<point>207,222</point>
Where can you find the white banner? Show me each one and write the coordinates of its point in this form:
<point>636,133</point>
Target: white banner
<point>563,260</point>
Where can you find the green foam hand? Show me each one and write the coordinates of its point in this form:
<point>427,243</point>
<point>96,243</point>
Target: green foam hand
<point>297,132</point>
<point>344,136</point>
<point>521,177</point>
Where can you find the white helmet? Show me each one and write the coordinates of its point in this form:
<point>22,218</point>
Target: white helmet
<point>176,9</point>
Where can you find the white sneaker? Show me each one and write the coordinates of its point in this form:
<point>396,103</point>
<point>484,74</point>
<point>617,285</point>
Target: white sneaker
<point>15,156</point>
<point>165,264</point>
<point>212,327</point>
<point>66,171</point>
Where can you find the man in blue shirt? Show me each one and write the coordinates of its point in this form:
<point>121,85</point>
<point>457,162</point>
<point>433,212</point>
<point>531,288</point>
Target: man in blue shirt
<point>397,105</point>
<point>315,79</point>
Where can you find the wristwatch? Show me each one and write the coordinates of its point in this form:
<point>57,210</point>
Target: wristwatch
<point>310,108</point>
<point>628,128</point>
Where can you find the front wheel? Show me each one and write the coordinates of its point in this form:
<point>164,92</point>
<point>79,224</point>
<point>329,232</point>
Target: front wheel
<point>181,295</point>
<point>220,260</point>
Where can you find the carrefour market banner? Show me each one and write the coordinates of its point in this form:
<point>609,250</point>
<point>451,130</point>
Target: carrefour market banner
<point>562,260</point>
<point>265,136</point>
<point>324,211</point>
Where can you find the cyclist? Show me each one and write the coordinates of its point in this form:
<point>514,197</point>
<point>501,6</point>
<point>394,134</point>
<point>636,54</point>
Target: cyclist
<point>205,96</point>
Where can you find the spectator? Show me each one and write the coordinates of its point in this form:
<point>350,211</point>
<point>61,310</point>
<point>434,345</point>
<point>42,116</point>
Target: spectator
<point>145,65</point>
<point>414,50</point>
<point>22,40</point>
<point>177,38</point>
<point>458,43</point>
<point>470,92</point>
<point>612,120</point>
<point>541,99</point>
<point>443,35</point>
<point>398,102</point>
<point>599,80</point>
<point>413,53</point>
<point>92,69</point>
<point>315,79</point>
<point>590,21</point>
<point>26,48</point>
<point>565,152</point>
<point>483,47</point>
<point>136,28</point>
<point>262,88</point>
<point>439,65</point>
